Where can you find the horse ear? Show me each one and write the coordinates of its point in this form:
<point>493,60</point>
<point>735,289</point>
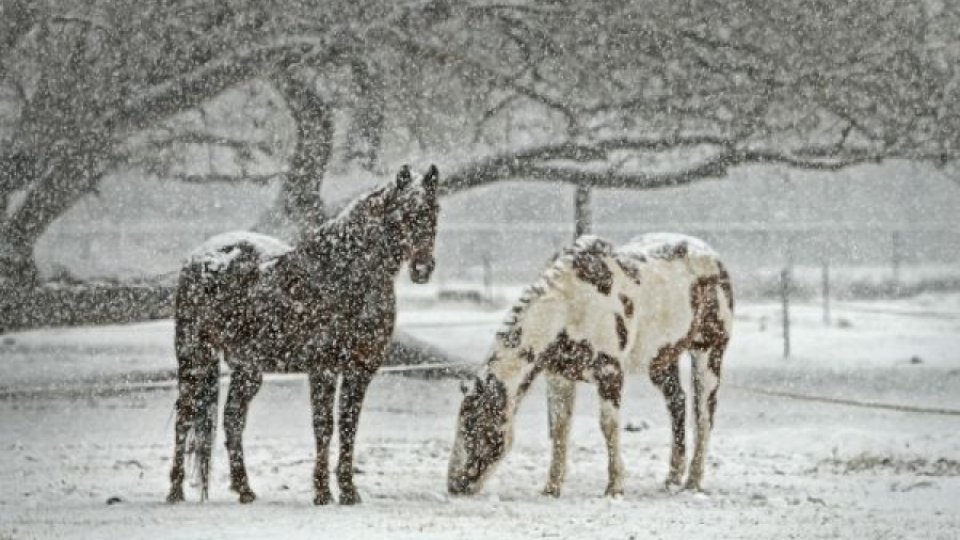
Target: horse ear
<point>403,177</point>
<point>431,180</point>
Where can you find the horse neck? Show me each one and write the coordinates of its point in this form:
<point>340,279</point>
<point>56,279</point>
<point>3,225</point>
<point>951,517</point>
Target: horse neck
<point>515,364</point>
<point>364,244</point>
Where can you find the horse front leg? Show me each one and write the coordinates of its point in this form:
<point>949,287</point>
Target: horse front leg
<point>610,387</point>
<point>353,388</point>
<point>244,385</point>
<point>323,387</point>
<point>560,397</point>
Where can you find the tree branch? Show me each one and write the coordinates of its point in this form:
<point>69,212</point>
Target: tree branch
<point>193,88</point>
<point>590,165</point>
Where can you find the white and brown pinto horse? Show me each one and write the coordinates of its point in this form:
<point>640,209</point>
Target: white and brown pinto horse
<point>597,313</point>
<point>325,307</point>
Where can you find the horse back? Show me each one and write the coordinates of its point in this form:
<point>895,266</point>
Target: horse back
<point>215,290</point>
<point>679,293</point>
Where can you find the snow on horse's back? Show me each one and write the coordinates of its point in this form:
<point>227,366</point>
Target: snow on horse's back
<point>217,252</point>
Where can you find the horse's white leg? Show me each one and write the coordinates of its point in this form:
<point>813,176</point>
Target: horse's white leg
<point>610,424</point>
<point>610,387</point>
<point>706,380</point>
<point>560,397</point>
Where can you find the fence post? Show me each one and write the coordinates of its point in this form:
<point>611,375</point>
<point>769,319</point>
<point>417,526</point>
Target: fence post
<point>785,298</point>
<point>487,278</point>
<point>581,211</point>
<point>895,256</point>
<point>825,289</point>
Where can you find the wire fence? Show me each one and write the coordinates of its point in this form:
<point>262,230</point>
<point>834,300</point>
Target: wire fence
<point>861,258</point>
<point>857,255</point>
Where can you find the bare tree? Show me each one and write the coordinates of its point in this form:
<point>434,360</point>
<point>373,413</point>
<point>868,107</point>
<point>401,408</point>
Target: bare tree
<point>641,94</point>
<point>87,79</point>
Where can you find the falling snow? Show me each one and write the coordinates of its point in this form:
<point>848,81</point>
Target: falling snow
<point>164,161</point>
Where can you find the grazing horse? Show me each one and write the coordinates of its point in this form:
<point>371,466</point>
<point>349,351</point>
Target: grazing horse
<point>596,313</point>
<point>325,308</point>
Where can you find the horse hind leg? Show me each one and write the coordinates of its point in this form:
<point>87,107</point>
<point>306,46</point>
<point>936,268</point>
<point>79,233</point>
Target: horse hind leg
<point>665,375</point>
<point>560,398</point>
<point>244,385</point>
<point>181,431</point>
<point>198,370</point>
<point>706,381</point>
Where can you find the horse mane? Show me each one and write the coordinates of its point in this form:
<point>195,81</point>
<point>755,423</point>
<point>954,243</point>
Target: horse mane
<point>547,281</point>
<point>349,216</point>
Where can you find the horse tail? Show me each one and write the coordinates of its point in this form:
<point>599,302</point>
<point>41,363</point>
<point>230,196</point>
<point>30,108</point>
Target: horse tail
<point>723,280</point>
<point>199,384</point>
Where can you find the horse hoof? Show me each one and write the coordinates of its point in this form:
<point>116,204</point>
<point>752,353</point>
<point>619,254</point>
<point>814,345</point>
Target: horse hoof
<point>322,499</point>
<point>672,485</point>
<point>247,497</point>
<point>614,492</point>
<point>349,497</point>
<point>175,496</point>
<point>692,485</point>
<point>551,491</point>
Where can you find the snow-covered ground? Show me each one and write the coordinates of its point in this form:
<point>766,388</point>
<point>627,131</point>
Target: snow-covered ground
<point>780,467</point>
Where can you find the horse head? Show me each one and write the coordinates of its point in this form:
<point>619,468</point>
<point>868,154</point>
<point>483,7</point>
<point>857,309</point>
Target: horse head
<point>483,435</point>
<point>415,225</point>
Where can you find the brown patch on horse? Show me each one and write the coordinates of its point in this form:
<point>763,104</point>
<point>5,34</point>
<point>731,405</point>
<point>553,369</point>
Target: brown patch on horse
<point>675,251</point>
<point>724,281</point>
<point>627,305</point>
<point>510,338</point>
<point>528,380</point>
<point>590,268</point>
<point>631,271</point>
<point>671,252</point>
<point>482,416</point>
<point>609,378</point>
<point>567,357</point>
<point>707,332</point>
<point>621,332</point>
<point>575,360</point>
<point>667,356</point>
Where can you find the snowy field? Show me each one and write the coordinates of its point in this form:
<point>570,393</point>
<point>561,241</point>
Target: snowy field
<point>77,437</point>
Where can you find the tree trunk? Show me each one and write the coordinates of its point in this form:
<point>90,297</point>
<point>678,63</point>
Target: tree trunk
<point>301,198</point>
<point>363,141</point>
<point>581,212</point>
<point>51,192</point>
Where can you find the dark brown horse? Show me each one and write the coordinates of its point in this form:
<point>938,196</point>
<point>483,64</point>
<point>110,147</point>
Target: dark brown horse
<point>325,308</point>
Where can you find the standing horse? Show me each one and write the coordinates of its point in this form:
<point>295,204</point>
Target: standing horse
<point>325,308</point>
<point>595,314</point>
